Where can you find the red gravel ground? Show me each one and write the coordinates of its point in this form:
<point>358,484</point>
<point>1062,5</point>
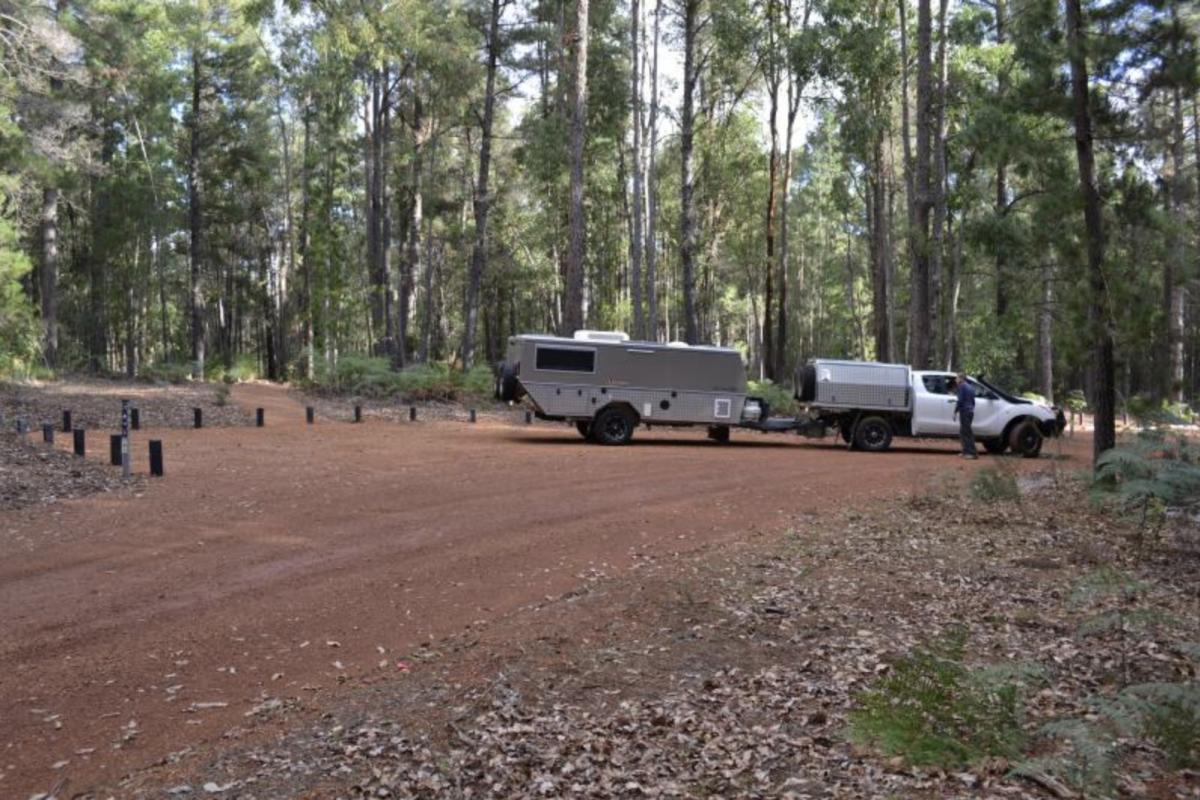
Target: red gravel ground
<point>138,627</point>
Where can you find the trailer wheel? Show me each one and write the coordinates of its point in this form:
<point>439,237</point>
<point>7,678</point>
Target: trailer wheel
<point>995,446</point>
<point>585,429</point>
<point>1026,439</point>
<point>873,434</point>
<point>719,433</point>
<point>613,426</point>
<point>507,387</point>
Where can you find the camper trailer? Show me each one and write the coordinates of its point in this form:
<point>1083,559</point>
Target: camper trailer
<point>607,384</point>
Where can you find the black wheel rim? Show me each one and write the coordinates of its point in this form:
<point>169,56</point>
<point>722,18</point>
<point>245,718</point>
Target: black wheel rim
<point>1029,439</point>
<point>614,428</point>
<point>873,435</point>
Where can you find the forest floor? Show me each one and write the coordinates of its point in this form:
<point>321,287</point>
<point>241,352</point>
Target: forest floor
<point>446,609</point>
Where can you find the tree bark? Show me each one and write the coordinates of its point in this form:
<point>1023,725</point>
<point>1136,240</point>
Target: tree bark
<point>573,316</point>
<point>195,223</point>
<point>938,186</point>
<point>651,250</point>
<point>687,200</point>
<point>1045,335</point>
<point>635,239</point>
<point>482,200</point>
<point>877,217</point>
<point>49,275</point>
<point>918,318</point>
<point>1176,262</point>
<point>773,80</point>
<point>306,267</point>
<point>1001,176</point>
<point>1103,402</point>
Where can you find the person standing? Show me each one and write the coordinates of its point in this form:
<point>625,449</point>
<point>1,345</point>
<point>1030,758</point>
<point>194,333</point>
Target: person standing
<point>964,410</point>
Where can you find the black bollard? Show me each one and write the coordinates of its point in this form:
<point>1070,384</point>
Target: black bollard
<point>135,419</point>
<point>260,417</point>
<point>358,413</point>
<point>412,413</point>
<point>114,449</point>
<point>80,445</point>
<point>66,421</point>
<point>22,428</point>
<point>528,417</point>
<point>472,415</point>
<point>308,414</point>
<point>156,457</point>
<point>197,418</point>
<point>47,433</point>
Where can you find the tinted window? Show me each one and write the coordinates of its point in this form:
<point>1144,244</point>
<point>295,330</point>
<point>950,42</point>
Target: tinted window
<point>567,360</point>
<point>936,384</point>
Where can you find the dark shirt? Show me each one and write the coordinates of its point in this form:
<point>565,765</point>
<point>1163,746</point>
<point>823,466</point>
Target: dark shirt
<point>966,398</point>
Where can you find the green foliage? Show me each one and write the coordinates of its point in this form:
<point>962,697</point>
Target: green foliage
<point>221,392</point>
<point>1076,401</point>
<point>781,399</point>
<point>995,484</point>
<point>376,377</point>
<point>932,709</point>
<point>1148,475</point>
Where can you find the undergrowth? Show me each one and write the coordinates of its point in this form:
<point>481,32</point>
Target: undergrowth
<point>376,377</point>
<point>933,710</point>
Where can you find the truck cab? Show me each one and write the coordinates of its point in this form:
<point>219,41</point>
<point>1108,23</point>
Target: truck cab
<point>997,413</point>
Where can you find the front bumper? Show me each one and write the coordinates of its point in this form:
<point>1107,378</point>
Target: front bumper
<point>1053,427</point>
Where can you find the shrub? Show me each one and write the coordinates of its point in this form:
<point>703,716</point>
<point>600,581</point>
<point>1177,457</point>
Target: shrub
<point>995,485</point>
<point>780,398</point>
<point>375,377</point>
<point>169,371</point>
<point>931,709</point>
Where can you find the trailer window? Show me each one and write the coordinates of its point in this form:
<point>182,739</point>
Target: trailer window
<point>566,359</point>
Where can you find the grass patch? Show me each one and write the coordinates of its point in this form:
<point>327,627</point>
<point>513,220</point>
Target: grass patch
<point>933,710</point>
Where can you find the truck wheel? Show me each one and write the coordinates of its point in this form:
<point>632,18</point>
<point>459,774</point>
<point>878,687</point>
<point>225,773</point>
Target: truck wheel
<point>585,429</point>
<point>995,446</point>
<point>613,426</point>
<point>719,433</point>
<point>1026,439</point>
<point>874,434</point>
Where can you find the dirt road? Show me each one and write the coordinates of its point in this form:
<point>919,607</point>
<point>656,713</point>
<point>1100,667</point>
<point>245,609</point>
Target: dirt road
<point>296,560</point>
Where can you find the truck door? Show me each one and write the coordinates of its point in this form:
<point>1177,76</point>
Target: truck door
<point>988,408</point>
<point>933,406</point>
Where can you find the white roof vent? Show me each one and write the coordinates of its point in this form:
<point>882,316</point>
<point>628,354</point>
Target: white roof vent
<point>602,336</point>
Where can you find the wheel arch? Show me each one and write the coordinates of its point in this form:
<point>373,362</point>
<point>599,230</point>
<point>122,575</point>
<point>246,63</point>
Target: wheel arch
<point>624,405</point>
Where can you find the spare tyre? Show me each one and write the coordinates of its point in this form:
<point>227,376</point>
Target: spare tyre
<point>508,388</point>
<point>806,383</point>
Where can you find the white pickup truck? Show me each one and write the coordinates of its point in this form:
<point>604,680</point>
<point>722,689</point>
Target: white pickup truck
<point>871,403</point>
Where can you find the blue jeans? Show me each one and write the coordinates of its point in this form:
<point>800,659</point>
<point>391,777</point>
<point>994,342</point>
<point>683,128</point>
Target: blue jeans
<point>965,418</point>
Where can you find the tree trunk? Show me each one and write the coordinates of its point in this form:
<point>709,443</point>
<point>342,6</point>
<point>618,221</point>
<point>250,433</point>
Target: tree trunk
<point>482,201</point>
<point>1177,260</point>
<point>651,250</point>
<point>769,225</point>
<point>635,239</point>
<point>938,185</point>
<point>573,313</point>
<point>687,200</point>
<point>1045,335</point>
<point>49,276</point>
<point>1001,178</point>
<point>195,223</point>
<point>877,216</point>
<point>412,267</point>
<point>306,267</point>
<point>918,318</point>
<point>1103,402</point>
